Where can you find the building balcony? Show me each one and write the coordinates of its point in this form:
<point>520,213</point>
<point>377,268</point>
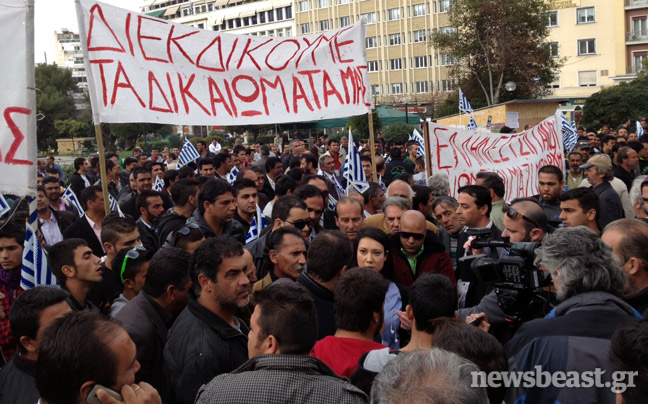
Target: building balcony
<point>634,37</point>
<point>630,4</point>
<point>633,69</point>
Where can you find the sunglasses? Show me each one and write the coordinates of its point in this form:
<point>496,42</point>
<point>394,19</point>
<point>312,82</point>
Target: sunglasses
<point>300,224</point>
<point>406,235</point>
<point>183,231</point>
<point>133,254</point>
<point>514,214</point>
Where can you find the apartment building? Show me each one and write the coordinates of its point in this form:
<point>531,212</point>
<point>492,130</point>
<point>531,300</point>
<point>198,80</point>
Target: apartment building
<point>70,55</point>
<point>636,40</point>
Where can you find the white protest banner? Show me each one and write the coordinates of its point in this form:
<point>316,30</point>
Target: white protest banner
<point>17,98</point>
<point>516,157</point>
<point>143,69</point>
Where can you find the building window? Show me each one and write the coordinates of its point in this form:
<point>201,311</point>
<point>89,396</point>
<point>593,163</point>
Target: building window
<point>246,21</point>
<point>271,16</point>
<point>395,64</point>
<point>324,25</point>
<point>303,5</point>
<point>279,14</point>
<point>262,18</point>
<point>637,61</point>
<point>371,17</point>
<point>375,89</point>
<point>394,14</point>
<point>587,78</point>
<point>238,23</point>
<point>344,2</point>
<point>394,39</point>
<point>230,24</point>
<point>345,21</point>
<point>420,61</point>
<point>639,27</point>
<point>556,82</point>
<point>552,18</point>
<point>288,31</point>
<point>322,3</point>
<point>444,6</point>
<point>585,15</point>
<point>446,85</point>
<point>587,47</point>
<point>446,30</point>
<point>288,12</point>
<point>419,36</point>
<point>446,59</point>
<point>397,88</point>
<point>419,9</point>
<point>553,49</point>
<point>421,87</point>
<point>372,66</point>
<point>371,42</point>
<point>305,28</point>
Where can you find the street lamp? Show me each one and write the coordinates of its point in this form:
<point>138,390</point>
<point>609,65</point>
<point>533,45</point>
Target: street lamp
<point>510,86</point>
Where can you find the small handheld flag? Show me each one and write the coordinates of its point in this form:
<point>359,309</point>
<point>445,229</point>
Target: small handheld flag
<point>35,270</point>
<point>256,227</point>
<point>69,196</point>
<point>188,153</point>
<point>353,171</point>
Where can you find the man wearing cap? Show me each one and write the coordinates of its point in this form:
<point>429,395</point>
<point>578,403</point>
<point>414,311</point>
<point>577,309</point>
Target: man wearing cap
<point>583,147</point>
<point>599,174</point>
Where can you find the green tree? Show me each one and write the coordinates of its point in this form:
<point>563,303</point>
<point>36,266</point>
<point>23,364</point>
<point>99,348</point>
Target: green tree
<point>496,41</point>
<point>73,128</point>
<point>359,125</point>
<point>449,107</point>
<point>126,135</point>
<point>615,104</point>
<point>254,130</point>
<point>397,131</point>
<point>53,102</point>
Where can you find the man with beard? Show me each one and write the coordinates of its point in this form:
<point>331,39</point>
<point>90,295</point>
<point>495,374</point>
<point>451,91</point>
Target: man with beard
<point>52,188</point>
<point>207,339</point>
<point>287,252</point>
<point>575,174</point>
<point>550,184</point>
<point>628,165</point>
<point>247,199</point>
<point>151,208</point>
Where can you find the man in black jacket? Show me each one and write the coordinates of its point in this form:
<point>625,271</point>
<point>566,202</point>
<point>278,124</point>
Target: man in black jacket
<point>88,226</point>
<point>207,339</point>
<point>150,206</point>
<point>31,313</point>
<point>324,269</point>
<point>52,223</point>
<point>150,314</point>
<point>599,173</point>
<point>397,165</point>
<point>80,179</point>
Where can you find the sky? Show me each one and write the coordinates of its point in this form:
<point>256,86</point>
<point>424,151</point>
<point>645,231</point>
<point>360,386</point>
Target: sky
<point>52,15</point>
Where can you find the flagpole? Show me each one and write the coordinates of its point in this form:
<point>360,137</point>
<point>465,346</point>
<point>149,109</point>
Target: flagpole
<point>102,167</point>
<point>428,159</point>
<point>371,146</point>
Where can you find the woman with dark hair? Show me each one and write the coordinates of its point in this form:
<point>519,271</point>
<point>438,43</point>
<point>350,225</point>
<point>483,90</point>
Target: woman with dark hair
<point>372,250</point>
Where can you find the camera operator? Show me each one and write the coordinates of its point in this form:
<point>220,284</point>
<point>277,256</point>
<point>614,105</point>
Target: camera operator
<point>575,336</point>
<point>524,221</point>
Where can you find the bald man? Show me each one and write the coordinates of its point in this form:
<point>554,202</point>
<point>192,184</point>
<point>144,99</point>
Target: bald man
<point>415,250</point>
<point>402,189</point>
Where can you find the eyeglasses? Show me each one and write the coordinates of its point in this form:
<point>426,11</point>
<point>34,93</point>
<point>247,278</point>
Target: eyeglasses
<point>406,235</point>
<point>183,231</point>
<point>299,224</point>
<point>133,254</point>
<point>514,214</point>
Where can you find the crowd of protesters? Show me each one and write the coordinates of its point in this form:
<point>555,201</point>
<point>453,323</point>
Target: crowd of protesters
<point>343,297</point>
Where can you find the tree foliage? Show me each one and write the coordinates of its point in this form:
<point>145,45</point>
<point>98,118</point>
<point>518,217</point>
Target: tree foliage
<point>449,107</point>
<point>126,135</point>
<point>496,41</point>
<point>73,128</point>
<point>616,104</point>
<point>397,131</point>
<point>359,125</point>
<point>53,102</point>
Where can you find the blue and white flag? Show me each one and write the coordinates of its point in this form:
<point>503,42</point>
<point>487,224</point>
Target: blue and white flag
<point>258,224</point>
<point>353,171</point>
<point>382,184</point>
<point>418,138</point>
<point>158,185</point>
<point>69,196</point>
<point>188,153</point>
<point>35,271</point>
<point>472,125</point>
<point>464,105</point>
<point>4,205</point>
<point>640,129</point>
<point>231,177</point>
<point>114,206</point>
<point>332,203</point>
<point>569,133</point>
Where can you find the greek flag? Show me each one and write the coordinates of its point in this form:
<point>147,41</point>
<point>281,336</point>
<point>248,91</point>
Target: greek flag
<point>472,125</point>
<point>114,206</point>
<point>159,184</point>
<point>332,203</point>
<point>464,105</point>
<point>231,177</point>
<point>569,133</point>
<point>188,153</point>
<point>640,130</point>
<point>4,205</point>
<point>258,224</point>
<point>382,184</point>
<point>417,137</point>
<point>353,171</point>
<point>35,271</point>
<point>69,196</point>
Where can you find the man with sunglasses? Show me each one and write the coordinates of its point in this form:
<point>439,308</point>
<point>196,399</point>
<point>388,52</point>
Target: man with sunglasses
<point>131,267</point>
<point>416,251</point>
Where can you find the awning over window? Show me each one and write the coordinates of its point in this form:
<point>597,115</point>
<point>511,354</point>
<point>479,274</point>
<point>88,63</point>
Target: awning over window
<point>171,11</point>
<point>156,13</point>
